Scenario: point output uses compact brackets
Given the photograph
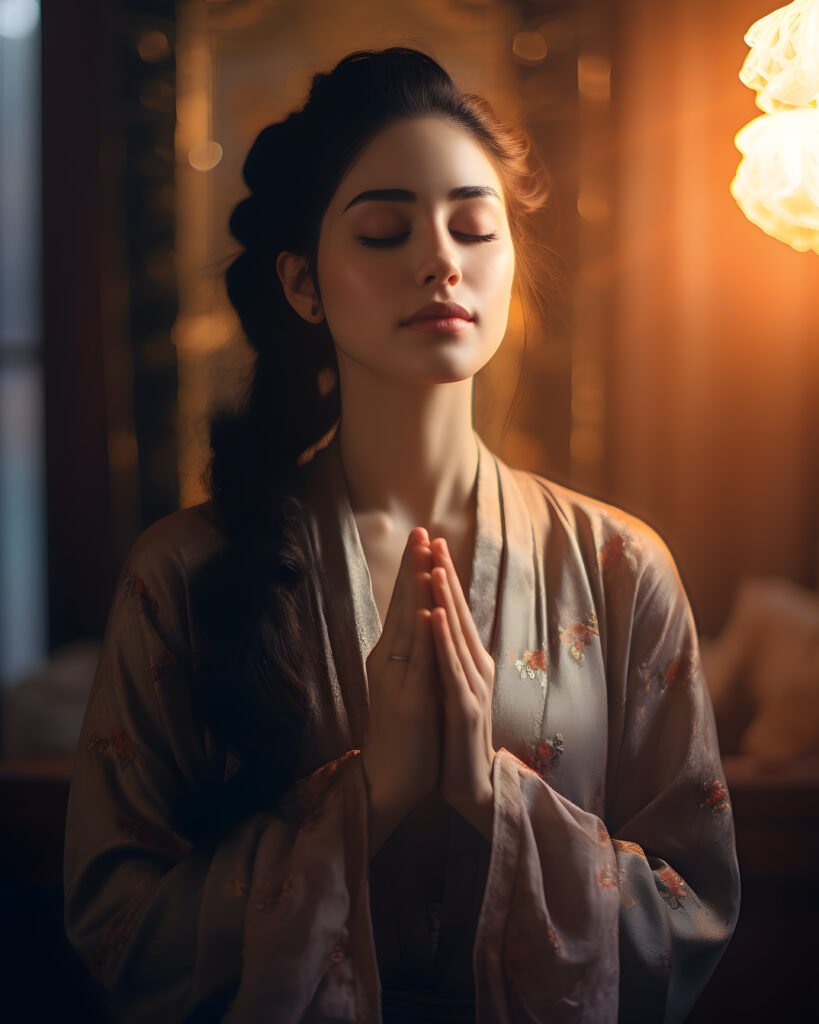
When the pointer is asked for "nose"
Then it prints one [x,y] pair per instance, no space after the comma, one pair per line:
[439,261]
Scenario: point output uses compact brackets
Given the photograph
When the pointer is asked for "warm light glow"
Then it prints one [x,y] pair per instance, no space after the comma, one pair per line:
[205,156]
[783,65]
[529,47]
[777,181]
[201,335]
[153,46]
[593,206]
[593,77]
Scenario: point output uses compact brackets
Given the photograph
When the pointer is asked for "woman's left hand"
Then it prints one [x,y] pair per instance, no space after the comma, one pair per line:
[467,673]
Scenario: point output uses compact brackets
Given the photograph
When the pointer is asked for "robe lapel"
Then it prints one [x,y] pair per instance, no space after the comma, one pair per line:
[507,596]
[350,612]
[520,646]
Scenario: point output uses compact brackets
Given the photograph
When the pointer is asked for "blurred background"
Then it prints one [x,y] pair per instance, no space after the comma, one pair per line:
[677,375]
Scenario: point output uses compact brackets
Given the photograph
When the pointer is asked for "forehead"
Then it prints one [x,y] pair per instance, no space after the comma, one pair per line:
[426,155]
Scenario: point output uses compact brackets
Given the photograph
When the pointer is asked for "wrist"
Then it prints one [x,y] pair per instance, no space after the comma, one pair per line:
[480,813]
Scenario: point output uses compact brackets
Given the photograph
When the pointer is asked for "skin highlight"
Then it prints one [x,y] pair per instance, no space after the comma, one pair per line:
[404,390]
[419,218]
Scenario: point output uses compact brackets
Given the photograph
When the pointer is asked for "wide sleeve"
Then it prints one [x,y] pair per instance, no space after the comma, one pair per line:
[623,919]
[272,913]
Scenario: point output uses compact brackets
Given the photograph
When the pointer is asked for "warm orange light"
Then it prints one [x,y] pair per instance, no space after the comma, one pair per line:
[777,181]
[205,156]
[529,47]
[153,46]
[783,64]
[594,77]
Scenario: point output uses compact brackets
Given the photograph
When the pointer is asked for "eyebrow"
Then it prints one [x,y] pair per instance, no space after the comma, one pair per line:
[402,195]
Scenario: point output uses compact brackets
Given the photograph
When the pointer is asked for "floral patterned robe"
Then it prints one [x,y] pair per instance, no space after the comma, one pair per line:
[608,891]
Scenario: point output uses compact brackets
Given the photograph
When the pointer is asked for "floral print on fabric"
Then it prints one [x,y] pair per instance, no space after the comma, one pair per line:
[135,586]
[532,665]
[116,935]
[714,796]
[119,745]
[612,552]
[624,846]
[268,893]
[579,636]
[671,887]
[678,670]
[546,755]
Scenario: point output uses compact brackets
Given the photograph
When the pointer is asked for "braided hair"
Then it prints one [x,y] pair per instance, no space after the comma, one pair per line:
[252,599]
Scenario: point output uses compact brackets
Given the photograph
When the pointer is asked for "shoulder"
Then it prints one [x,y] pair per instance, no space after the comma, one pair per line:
[616,546]
[164,558]
[178,542]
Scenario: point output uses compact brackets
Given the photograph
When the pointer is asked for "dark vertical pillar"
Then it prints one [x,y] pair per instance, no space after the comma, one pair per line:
[81,566]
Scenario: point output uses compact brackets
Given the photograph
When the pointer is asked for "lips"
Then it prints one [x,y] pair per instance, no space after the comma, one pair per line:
[439,311]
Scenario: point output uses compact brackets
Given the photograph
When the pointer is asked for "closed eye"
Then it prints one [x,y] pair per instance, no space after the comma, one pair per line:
[394,240]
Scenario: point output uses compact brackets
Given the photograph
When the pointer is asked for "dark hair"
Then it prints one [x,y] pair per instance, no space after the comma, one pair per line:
[252,601]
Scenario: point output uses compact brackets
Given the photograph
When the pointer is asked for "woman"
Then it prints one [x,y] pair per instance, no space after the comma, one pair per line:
[506,804]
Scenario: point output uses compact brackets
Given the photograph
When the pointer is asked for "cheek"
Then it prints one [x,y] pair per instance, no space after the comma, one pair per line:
[492,276]
[354,282]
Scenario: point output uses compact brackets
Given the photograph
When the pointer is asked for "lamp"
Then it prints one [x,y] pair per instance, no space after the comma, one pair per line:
[777,182]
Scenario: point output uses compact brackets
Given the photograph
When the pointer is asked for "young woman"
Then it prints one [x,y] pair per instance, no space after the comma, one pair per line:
[504,804]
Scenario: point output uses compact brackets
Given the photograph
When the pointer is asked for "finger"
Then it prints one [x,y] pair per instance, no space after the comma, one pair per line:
[444,598]
[424,596]
[457,691]
[442,557]
[421,663]
[398,623]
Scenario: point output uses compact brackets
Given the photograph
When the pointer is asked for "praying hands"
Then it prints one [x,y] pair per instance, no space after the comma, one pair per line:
[467,674]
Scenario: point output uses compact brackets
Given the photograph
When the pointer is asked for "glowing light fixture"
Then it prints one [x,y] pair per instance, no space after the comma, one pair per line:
[777,181]
[783,65]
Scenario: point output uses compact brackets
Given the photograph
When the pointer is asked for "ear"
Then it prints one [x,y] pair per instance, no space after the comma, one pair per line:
[298,286]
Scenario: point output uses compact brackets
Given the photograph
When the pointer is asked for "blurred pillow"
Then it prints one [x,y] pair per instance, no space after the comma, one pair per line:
[763,671]
[43,711]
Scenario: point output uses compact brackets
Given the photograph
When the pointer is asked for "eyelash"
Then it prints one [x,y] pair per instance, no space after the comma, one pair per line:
[387,243]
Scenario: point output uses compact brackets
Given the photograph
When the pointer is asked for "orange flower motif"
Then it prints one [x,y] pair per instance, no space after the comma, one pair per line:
[167,660]
[607,877]
[135,586]
[532,665]
[671,887]
[546,755]
[624,846]
[119,744]
[680,669]
[237,889]
[714,796]
[612,552]
[579,636]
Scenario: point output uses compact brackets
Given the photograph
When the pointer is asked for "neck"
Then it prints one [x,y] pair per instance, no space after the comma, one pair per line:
[409,452]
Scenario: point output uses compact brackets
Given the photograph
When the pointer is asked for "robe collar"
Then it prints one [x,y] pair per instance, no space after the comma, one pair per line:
[502,562]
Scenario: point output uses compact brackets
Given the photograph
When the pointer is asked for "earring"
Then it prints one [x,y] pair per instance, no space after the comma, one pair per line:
[314,309]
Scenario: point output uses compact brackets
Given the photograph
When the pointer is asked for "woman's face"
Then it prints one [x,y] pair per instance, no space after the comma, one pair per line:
[382,258]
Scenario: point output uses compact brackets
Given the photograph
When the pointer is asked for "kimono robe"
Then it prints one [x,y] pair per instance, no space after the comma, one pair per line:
[609,888]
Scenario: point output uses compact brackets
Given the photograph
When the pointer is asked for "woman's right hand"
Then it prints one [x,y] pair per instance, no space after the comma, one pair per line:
[402,753]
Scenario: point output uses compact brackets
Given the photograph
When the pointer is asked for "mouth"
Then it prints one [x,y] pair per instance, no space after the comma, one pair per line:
[439,317]
[440,325]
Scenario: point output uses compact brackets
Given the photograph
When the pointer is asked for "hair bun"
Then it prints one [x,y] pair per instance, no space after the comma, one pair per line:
[278,149]
[247,222]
